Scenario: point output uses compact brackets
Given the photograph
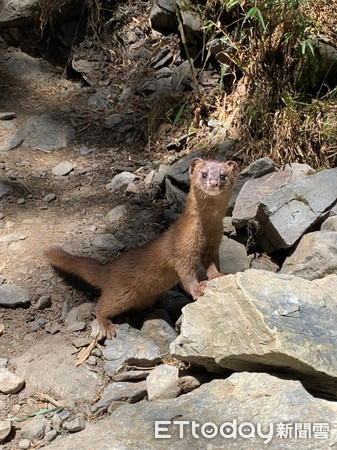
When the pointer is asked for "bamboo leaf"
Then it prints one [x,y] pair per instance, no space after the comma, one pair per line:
[37,413]
[177,117]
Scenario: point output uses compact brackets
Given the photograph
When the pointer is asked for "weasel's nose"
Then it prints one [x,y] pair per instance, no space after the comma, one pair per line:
[213,182]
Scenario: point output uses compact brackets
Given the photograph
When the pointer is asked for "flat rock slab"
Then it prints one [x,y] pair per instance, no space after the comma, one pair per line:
[49,366]
[11,136]
[5,189]
[47,133]
[129,347]
[262,320]
[22,65]
[120,391]
[257,169]
[12,296]
[256,189]
[255,398]
[314,257]
[286,214]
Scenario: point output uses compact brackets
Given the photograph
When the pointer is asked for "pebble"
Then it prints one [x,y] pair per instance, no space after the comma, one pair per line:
[57,423]
[35,428]
[121,179]
[24,444]
[63,168]
[9,382]
[86,150]
[21,201]
[49,197]
[5,429]
[117,213]
[76,326]
[80,342]
[108,242]
[77,424]
[7,115]
[50,436]
[43,302]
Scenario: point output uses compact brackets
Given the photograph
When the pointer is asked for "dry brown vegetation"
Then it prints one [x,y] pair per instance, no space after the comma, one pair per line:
[266,107]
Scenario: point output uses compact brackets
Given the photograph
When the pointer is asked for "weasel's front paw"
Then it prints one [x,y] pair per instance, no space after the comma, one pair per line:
[199,290]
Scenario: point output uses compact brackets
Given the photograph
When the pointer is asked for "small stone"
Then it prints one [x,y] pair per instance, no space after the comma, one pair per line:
[63,168]
[80,342]
[50,436]
[112,121]
[133,188]
[86,151]
[163,383]
[92,361]
[120,391]
[12,296]
[75,425]
[148,180]
[117,213]
[233,256]
[12,237]
[43,302]
[36,428]
[35,326]
[24,444]
[76,326]
[5,429]
[49,197]
[108,242]
[131,375]
[52,328]
[7,115]
[57,423]
[9,382]
[330,224]
[21,201]
[121,179]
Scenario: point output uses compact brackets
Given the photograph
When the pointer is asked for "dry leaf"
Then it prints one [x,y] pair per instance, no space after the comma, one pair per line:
[85,352]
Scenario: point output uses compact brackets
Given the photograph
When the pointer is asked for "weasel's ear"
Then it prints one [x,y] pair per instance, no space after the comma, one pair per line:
[233,166]
[193,164]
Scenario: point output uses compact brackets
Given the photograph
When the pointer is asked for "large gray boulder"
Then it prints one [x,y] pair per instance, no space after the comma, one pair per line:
[257,169]
[256,189]
[260,400]
[14,13]
[286,214]
[314,257]
[262,321]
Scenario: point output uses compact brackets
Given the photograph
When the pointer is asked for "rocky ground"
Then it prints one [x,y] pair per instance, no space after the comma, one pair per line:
[80,166]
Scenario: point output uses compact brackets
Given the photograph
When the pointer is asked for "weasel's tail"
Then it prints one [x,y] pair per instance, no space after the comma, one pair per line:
[88,269]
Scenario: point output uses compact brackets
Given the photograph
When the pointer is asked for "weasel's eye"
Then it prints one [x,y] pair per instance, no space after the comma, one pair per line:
[204,175]
[223,177]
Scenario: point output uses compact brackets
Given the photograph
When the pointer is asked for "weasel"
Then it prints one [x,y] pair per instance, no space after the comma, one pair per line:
[136,279]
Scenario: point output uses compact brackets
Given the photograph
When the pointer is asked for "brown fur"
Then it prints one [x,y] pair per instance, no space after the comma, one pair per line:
[136,279]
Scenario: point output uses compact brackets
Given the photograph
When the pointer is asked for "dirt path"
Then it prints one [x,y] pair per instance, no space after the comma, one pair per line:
[77,215]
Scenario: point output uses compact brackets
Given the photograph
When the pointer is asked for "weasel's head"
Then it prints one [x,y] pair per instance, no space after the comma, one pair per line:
[213,177]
